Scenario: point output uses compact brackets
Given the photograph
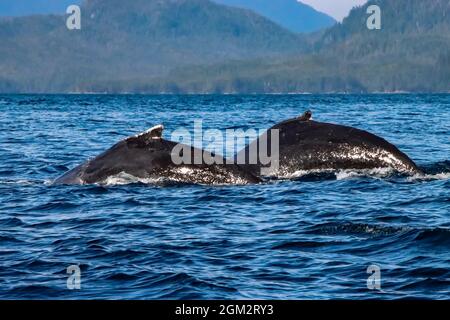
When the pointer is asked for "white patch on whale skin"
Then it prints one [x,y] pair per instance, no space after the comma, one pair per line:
[302,173]
[178,175]
[388,163]
[124,178]
[376,172]
[365,154]
[205,177]
[185,170]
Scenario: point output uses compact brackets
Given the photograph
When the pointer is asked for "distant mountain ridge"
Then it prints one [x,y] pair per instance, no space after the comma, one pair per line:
[196,46]
[144,38]
[291,14]
[411,53]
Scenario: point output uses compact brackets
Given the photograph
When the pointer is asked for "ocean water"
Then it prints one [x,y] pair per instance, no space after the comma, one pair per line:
[312,236]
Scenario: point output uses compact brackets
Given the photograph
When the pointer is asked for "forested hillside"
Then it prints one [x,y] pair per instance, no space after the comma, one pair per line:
[196,46]
[144,38]
[291,14]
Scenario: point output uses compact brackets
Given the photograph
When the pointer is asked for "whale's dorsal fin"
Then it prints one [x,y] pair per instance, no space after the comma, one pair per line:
[306,116]
[154,133]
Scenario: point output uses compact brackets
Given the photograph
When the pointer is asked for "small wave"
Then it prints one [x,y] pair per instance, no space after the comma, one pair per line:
[436,236]
[121,276]
[356,228]
[34,291]
[427,283]
[429,177]
[11,222]
[9,239]
[55,205]
[124,254]
[20,182]
[439,172]
[302,245]
[342,174]
[437,167]
[434,171]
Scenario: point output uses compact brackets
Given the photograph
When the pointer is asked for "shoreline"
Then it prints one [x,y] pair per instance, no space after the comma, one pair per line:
[224,94]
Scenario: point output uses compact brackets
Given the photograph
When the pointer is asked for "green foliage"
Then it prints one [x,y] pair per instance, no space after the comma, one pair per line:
[196,46]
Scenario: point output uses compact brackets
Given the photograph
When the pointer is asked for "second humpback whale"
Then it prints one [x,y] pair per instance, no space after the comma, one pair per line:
[305,144]
[149,156]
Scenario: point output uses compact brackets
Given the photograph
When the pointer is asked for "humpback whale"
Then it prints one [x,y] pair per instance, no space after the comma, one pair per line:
[149,156]
[305,144]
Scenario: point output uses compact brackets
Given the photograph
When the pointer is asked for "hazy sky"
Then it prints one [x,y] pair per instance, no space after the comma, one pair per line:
[338,9]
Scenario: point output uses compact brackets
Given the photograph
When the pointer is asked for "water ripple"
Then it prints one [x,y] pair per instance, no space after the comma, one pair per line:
[312,235]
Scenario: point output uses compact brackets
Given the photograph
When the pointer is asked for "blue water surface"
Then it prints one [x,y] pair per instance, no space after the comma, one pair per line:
[304,238]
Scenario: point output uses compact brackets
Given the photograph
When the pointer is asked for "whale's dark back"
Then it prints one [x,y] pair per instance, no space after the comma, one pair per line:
[306,145]
[153,159]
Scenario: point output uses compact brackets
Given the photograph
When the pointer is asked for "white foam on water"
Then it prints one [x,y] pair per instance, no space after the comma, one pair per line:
[375,173]
[23,182]
[48,182]
[341,174]
[429,177]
